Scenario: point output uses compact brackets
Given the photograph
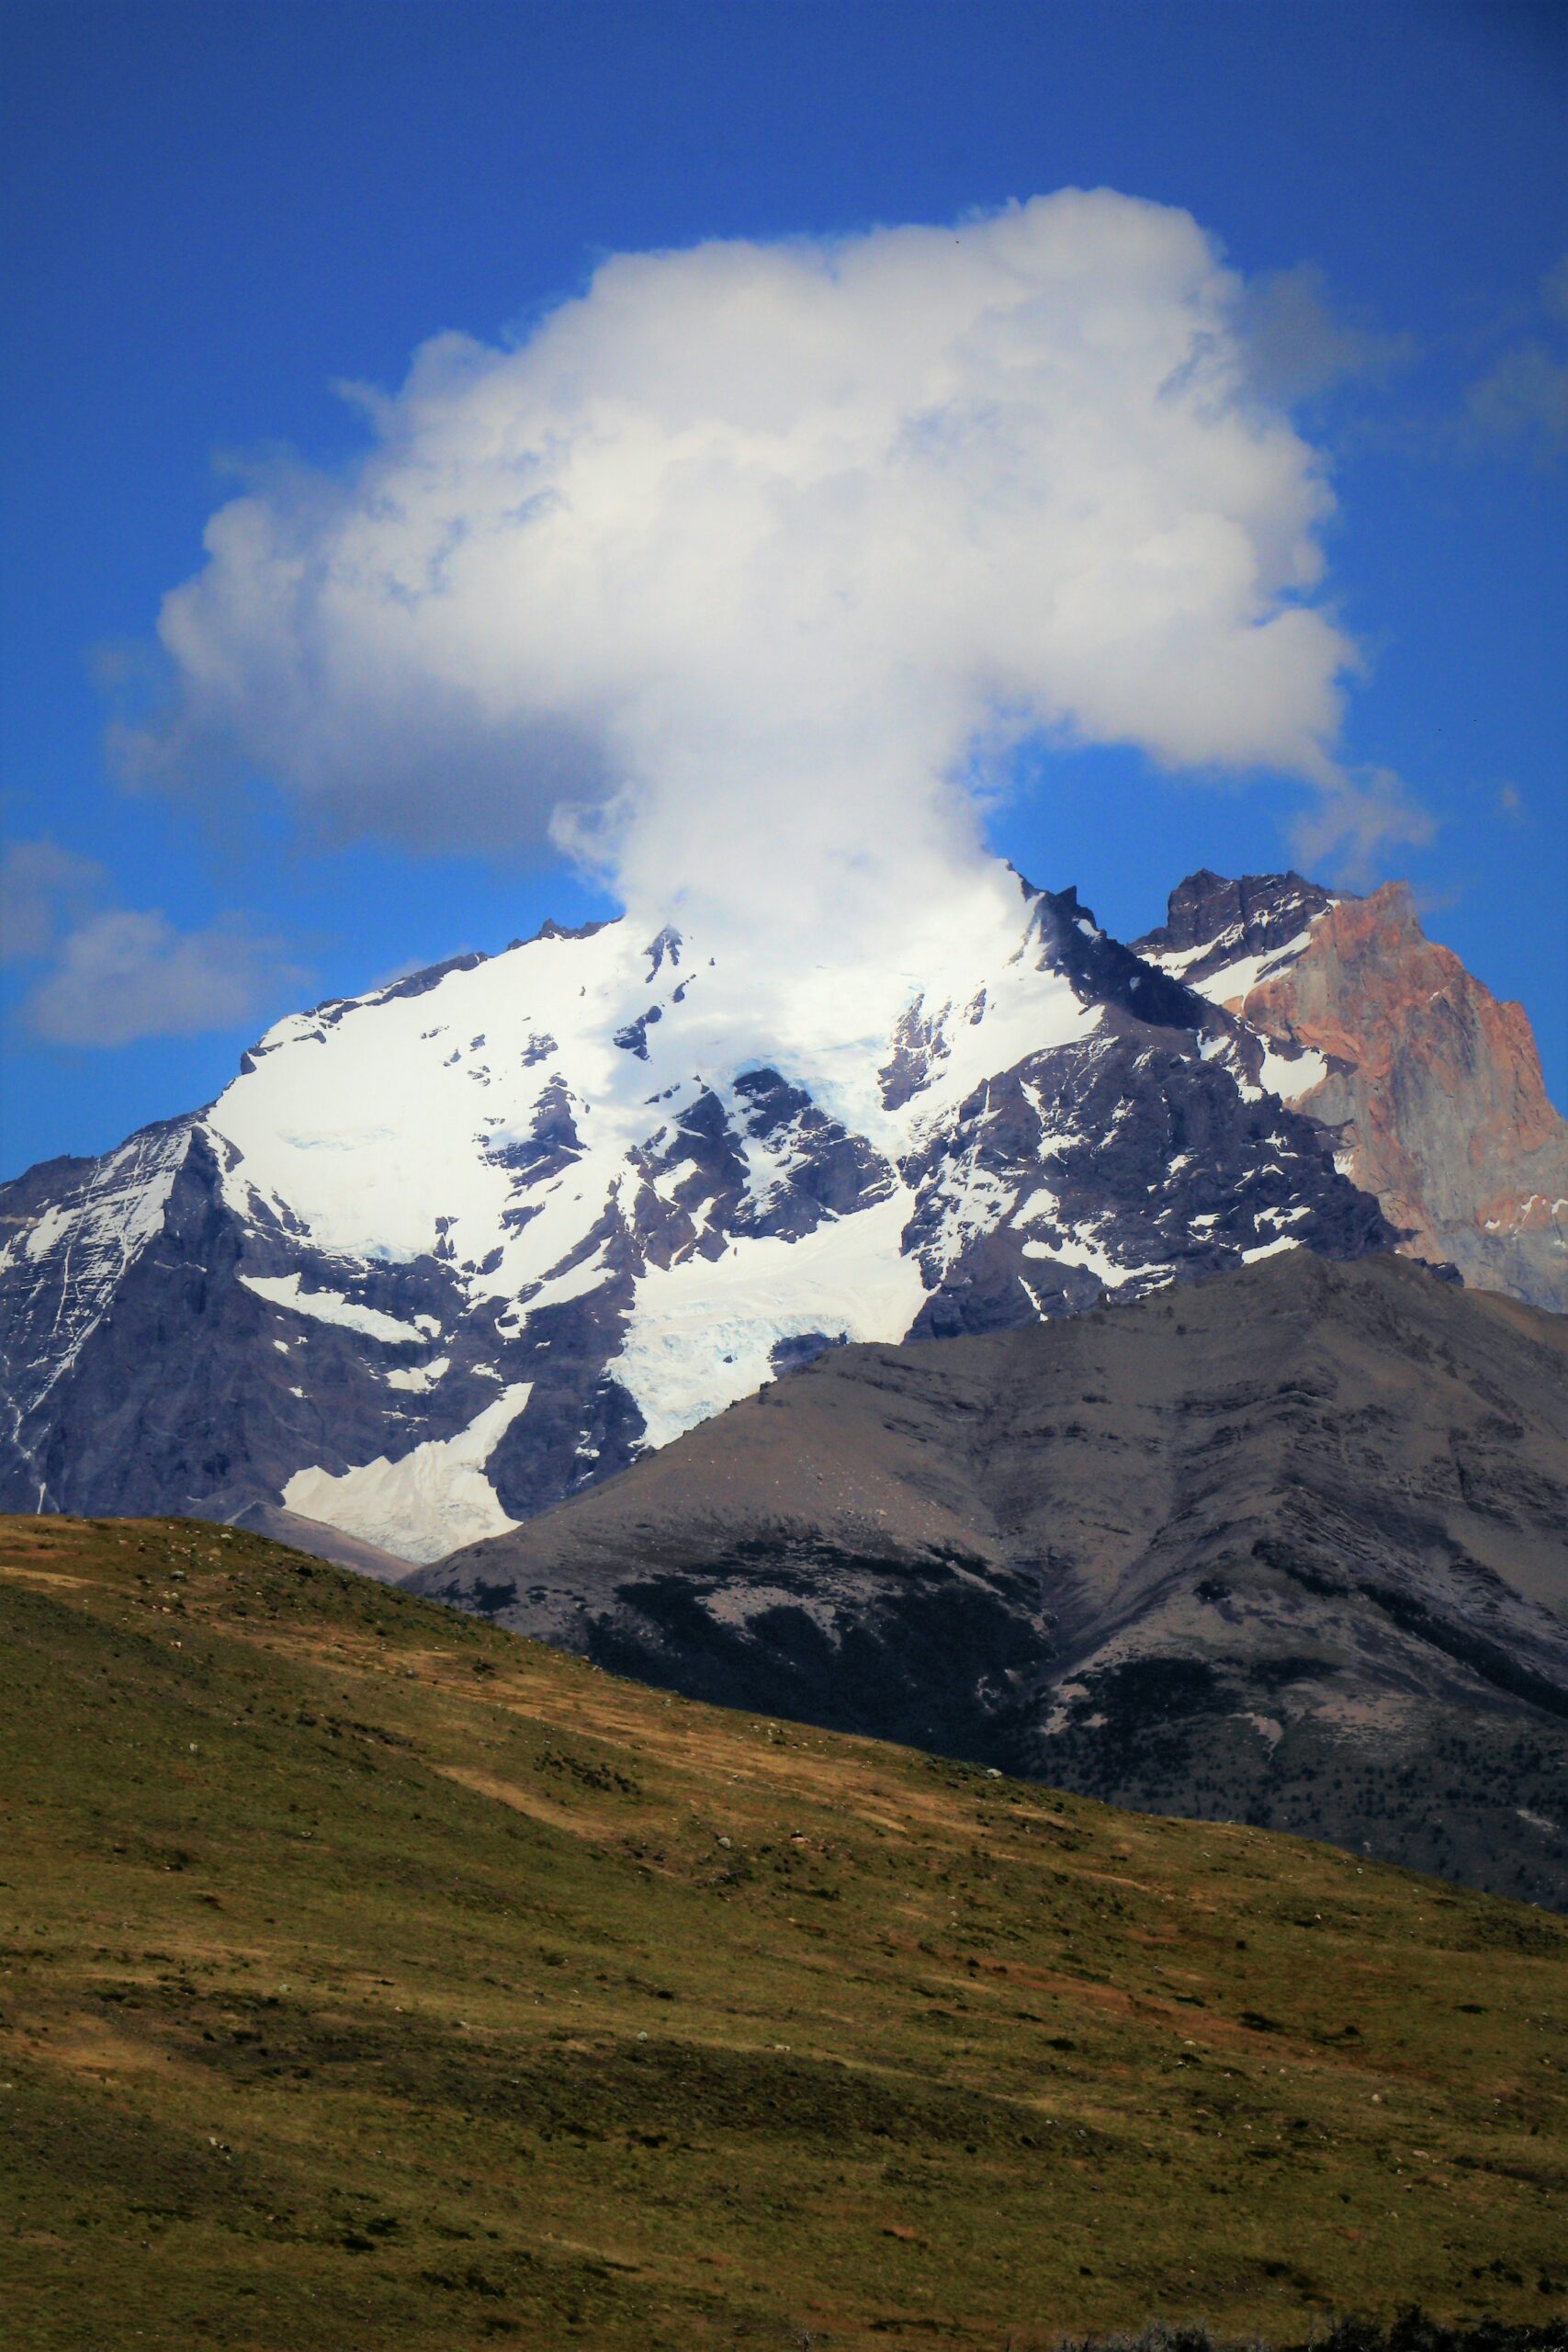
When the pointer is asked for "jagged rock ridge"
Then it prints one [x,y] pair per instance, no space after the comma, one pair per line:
[448,1252]
[1434,1087]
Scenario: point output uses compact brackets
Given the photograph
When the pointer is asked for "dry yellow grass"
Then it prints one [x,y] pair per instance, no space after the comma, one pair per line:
[373,1978]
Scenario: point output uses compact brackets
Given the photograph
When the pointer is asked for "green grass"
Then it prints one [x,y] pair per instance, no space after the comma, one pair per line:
[373,1978]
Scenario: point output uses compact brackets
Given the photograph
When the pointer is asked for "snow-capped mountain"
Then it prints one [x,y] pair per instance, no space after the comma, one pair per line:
[444,1253]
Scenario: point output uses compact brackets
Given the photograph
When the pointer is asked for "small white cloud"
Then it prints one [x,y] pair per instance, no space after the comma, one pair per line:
[1522,400]
[122,975]
[115,974]
[1356,822]
[40,885]
[1301,343]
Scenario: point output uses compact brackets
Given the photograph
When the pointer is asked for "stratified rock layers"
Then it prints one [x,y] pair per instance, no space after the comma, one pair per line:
[1288,1546]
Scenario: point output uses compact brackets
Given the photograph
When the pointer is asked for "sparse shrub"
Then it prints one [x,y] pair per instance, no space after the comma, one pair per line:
[1410,2331]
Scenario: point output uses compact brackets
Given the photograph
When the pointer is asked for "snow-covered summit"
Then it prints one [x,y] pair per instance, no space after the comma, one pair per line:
[444,1252]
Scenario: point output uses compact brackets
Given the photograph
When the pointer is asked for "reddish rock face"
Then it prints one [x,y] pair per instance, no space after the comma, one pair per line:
[1436,1090]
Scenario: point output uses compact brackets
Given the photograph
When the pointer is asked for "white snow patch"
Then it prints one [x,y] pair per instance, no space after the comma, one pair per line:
[1176,960]
[1229,983]
[52,1226]
[575,1283]
[976,1202]
[1289,1076]
[331,1307]
[420,1378]
[367,1127]
[1269,1248]
[425,1504]
[1232,984]
[1072,1250]
[668,1184]
[1068,1247]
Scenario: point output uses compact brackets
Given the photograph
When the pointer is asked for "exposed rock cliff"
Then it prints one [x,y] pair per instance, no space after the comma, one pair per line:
[1434,1087]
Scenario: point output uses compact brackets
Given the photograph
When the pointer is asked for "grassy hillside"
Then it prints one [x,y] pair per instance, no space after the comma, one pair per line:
[375,1978]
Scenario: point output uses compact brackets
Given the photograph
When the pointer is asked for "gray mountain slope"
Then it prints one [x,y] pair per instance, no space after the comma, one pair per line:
[325,1542]
[1289,1545]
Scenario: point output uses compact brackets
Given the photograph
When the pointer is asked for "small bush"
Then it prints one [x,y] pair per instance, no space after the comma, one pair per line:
[1412,2331]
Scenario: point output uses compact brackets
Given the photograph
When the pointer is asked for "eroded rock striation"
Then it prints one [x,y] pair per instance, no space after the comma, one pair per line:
[1289,1545]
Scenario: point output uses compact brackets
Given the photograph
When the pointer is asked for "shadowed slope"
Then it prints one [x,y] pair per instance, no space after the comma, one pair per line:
[375,1979]
[1289,1546]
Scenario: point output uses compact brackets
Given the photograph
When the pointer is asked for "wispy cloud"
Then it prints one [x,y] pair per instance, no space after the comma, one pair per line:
[1349,830]
[43,886]
[1302,341]
[1521,402]
[109,975]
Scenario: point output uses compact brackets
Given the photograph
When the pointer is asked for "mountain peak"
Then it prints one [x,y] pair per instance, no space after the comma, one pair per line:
[450,1251]
[550,929]
[1209,915]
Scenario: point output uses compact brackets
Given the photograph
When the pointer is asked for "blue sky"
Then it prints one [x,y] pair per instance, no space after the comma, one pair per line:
[216,213]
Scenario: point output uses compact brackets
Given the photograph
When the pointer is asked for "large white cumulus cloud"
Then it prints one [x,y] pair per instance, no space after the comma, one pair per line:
[728,573]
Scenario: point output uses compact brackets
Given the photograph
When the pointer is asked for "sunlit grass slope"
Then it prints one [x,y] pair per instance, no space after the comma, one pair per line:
[376,1978]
